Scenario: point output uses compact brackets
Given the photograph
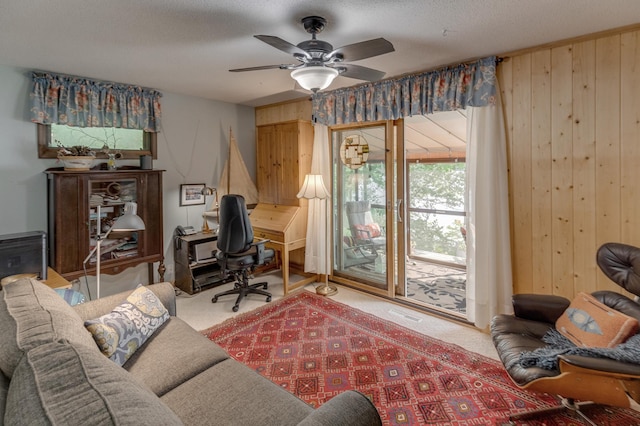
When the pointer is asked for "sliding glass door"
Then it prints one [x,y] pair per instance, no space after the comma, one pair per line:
[364,228]
[399,209]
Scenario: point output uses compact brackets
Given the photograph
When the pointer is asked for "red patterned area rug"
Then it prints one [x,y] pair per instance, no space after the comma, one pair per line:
[317,348]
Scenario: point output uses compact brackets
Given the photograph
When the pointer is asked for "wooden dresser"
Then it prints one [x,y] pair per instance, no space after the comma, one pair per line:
[285,227]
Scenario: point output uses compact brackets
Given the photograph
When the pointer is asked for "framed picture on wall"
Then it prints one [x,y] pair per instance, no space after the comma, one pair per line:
[191,194]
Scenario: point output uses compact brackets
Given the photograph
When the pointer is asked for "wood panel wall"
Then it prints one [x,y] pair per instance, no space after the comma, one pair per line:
[573,126]
[281,112]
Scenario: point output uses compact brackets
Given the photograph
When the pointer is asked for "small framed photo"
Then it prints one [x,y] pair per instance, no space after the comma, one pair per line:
[191,194]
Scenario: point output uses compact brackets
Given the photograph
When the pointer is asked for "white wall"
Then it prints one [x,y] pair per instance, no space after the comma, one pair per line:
[192,147]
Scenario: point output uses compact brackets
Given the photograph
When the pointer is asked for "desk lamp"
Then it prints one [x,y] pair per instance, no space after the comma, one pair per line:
[208,191]
[128,222]
[313,188]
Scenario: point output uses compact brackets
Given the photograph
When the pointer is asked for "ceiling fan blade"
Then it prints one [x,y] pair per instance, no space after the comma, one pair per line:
[360,73]
[263,67]
[283,45]
[363,50]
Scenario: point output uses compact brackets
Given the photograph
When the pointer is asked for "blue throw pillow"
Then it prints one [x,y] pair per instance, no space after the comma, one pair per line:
[72,297]
[125,329]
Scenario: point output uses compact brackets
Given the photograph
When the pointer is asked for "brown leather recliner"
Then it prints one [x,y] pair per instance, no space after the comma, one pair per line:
[596,380]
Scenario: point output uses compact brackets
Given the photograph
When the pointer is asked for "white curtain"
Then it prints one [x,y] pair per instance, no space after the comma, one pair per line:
[318,237]
[489,286]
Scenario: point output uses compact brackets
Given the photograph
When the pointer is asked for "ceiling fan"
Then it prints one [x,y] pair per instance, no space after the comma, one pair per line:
[319,63]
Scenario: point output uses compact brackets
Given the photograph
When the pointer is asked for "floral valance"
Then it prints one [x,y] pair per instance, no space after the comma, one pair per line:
[447,89]
[80,102]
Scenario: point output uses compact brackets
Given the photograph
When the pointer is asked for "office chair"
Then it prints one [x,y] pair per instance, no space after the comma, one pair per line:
[238,254]
[599,380]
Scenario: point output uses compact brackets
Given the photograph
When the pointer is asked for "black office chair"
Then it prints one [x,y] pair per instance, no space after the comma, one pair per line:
[238,254]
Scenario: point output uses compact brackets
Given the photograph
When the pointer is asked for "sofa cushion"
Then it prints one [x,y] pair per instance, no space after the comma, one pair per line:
[98,307]
[178,351]
[31,314]
[57,383]
[125,329]
[347,408]
[4,387]
[231,393]
[590,323]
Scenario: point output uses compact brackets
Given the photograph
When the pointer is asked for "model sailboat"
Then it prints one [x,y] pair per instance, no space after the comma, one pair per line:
[235,179]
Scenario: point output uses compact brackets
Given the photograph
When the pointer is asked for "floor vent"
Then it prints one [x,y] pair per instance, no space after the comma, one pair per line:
[403,315]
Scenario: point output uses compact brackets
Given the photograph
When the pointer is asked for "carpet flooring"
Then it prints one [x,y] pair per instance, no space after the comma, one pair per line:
[316,348]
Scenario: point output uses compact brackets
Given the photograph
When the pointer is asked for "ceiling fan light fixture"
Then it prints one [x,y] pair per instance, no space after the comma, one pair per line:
[314,78]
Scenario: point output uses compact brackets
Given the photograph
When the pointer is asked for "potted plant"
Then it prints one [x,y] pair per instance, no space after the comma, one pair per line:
[112,156]
[78,157]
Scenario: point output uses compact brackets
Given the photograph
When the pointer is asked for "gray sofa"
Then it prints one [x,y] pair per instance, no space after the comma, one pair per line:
[54,373]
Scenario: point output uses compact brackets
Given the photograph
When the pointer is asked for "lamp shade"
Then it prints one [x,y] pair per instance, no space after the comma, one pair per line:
[314,78]
[207,190]
[128,222]
[313,187]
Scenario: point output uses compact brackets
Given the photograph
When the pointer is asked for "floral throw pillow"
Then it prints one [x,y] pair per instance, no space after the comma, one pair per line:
[125,329]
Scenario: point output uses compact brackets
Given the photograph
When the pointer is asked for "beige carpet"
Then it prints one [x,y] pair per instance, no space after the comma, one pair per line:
[200,313]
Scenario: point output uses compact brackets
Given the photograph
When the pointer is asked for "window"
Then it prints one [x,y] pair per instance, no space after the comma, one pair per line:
[436,209]
[131,143]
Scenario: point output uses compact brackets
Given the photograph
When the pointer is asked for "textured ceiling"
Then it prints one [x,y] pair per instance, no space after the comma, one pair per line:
[188,46]
[441,135]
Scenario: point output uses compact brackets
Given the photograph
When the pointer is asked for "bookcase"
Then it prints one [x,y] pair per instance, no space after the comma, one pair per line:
[73,221]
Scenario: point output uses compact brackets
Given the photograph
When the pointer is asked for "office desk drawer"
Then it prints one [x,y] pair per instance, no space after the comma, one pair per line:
[276,237]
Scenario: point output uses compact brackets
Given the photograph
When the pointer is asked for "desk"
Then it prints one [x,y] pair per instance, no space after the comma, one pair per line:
[55,280]
[195,264]
[285,228]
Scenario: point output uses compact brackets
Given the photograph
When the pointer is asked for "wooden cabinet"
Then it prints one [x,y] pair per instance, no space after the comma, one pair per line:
[195,263]
[283,155]
[73,221]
